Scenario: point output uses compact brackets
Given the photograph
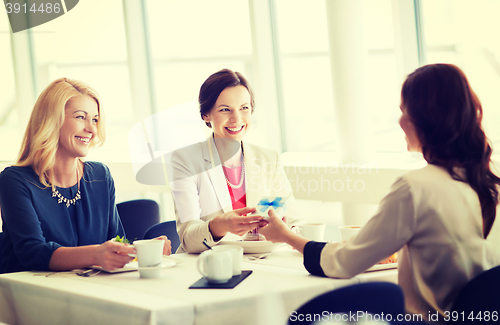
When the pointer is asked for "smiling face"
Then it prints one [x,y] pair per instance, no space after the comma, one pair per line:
[413,144]
[231,115]
[79,128]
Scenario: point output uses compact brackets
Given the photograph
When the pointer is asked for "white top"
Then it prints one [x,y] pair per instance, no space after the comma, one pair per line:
[435,222]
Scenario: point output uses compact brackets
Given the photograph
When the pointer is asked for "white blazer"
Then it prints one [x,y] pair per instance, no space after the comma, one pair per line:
[200,192]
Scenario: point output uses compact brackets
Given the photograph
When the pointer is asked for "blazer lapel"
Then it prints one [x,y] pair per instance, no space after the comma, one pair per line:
[216,174]
[252,176]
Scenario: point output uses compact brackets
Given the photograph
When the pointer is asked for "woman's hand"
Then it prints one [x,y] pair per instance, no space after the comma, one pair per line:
[113,255]
[276,229]
[235,222]
[167,246]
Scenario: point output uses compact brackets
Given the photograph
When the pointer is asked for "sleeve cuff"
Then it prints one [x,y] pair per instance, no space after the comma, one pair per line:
[312,257]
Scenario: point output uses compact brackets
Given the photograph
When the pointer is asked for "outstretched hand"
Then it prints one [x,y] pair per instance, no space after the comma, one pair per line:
[277,231]
[276,228]
[235,222]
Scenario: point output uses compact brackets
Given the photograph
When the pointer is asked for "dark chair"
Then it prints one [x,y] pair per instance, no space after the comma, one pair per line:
[372,297]
[1,248]
[137,216]
[480,294]
[166,228]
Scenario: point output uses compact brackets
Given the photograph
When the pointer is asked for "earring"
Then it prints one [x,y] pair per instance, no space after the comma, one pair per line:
[207,123]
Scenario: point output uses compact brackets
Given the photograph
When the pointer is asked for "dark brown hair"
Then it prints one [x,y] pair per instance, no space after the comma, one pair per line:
[447,115]
[215,84]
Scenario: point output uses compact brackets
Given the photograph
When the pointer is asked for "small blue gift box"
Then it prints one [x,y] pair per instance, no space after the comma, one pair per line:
[279,204]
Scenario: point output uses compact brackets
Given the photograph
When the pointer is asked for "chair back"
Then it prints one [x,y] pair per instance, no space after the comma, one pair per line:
[480,294]
[372,297]
[166,228]
[137,216]
[1,249]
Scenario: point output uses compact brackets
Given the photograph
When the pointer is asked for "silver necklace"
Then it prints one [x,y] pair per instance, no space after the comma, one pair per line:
[61,198]
[242,178]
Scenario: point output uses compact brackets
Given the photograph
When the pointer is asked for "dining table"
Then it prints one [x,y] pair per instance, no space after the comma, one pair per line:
[278,285]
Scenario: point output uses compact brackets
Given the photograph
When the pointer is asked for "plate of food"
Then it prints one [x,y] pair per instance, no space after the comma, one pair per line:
[134,266]
[389,263]
[380,267]
[253,247]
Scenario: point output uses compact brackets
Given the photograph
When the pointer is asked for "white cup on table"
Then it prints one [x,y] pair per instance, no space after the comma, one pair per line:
[236,253]
[216,266]
[312,231]
[149,257]
[348,231]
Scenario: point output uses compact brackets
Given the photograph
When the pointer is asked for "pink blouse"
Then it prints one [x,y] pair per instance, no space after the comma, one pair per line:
[238,196]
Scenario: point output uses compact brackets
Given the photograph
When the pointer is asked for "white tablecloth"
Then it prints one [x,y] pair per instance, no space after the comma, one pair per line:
[278,285]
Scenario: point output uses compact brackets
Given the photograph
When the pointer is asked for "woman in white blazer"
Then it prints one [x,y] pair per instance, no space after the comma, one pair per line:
[440,218]
[216,183]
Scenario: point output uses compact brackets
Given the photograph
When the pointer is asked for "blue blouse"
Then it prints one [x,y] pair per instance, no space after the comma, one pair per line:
[35,225]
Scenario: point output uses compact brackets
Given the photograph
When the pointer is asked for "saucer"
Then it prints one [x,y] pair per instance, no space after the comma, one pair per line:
[134,266]
[253,247]
[164,264]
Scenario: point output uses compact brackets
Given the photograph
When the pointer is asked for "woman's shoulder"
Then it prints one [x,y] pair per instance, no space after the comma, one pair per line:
[195,149]
[96,170]
[191,155]
[428,182]
[427,175]
[261,152]
[19,176]
[18,172]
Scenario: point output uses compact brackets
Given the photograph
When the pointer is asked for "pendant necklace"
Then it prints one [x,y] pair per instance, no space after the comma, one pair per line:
[61,198]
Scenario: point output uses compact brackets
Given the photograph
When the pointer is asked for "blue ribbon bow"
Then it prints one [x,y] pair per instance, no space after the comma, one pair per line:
[276,203]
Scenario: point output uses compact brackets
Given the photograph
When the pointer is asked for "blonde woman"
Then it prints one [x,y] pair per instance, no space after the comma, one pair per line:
[58,211]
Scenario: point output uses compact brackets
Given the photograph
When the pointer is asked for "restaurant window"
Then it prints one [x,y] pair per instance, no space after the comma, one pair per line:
[465,35]
[90,45]
[192,39]
[306,75]
[383,78]
[9,118]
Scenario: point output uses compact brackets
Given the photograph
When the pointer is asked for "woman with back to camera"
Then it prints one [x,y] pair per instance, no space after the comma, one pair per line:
[58,211]
[215,183]
[437,217]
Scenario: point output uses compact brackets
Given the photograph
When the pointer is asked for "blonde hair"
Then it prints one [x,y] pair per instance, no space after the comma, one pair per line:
[41,139]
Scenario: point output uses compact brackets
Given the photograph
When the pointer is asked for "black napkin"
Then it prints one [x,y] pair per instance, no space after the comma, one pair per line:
[233,282]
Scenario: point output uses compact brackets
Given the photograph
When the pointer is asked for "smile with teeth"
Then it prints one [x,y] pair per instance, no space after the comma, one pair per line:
[235,129]
[82,139]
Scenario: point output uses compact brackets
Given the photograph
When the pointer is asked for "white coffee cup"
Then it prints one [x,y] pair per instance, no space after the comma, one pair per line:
[312,231]
[216,266]
[149,256]
[236,253]
[348,231]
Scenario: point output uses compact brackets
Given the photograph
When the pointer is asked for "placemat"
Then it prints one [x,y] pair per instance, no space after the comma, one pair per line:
[233,282]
